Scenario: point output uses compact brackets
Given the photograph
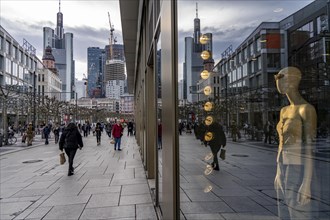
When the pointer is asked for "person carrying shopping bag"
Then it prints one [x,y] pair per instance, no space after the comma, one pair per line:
[70,141]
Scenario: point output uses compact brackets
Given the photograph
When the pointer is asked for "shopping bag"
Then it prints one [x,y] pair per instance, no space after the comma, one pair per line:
[223,154]
[112,141]
[62,158]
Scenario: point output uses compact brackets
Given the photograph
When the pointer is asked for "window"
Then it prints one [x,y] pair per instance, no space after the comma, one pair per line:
[245,70]
[15,68]
[8,66]
[7,47]
[322,24]
[258,44]
[15,52]
[1,43]
[251,49]
[273,60]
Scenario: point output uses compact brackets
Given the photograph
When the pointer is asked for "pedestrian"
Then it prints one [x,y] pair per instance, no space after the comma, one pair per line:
[70,141]
[85,130]
[46,132]
[268,129]
[29,134]
[108,129]
[130,127]
[56,132]
[217,142]
[117,133]
[98,132]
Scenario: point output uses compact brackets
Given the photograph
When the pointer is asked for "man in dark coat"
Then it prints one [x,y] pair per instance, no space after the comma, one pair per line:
[46,131]
[217,142]
[70,141]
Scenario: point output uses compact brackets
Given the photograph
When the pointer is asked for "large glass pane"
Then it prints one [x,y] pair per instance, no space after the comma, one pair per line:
[254,145]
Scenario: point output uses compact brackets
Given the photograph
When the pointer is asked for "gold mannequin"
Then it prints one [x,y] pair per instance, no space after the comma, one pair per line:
[296,129]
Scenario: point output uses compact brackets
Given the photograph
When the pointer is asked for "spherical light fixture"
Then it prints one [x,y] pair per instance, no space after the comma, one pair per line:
[207,90]
[204,39]
[208,120]
[205,74]
[208,106]
[208,136]
[205,55]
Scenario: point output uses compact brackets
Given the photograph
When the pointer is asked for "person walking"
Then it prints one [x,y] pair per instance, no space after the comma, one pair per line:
[85,130]
[56,132]
[216,143]
[117,133]
[46,132]
[130,127]
[98,131]
[70,141]
[268,129]
[29,134]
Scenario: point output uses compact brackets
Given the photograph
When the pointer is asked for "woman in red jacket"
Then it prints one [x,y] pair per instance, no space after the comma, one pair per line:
[117,132]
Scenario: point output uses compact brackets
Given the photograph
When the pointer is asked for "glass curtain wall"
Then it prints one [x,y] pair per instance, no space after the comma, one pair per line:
[255,143]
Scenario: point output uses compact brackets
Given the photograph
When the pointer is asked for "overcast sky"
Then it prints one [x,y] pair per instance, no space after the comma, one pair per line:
[229,21]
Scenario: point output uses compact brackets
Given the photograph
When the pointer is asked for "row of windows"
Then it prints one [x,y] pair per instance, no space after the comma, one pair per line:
[17,54]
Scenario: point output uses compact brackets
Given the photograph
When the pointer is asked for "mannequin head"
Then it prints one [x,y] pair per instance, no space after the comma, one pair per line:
[288,79]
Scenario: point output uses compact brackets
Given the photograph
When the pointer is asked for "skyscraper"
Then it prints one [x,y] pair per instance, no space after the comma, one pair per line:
[193,63]
[62,45]
[95,68]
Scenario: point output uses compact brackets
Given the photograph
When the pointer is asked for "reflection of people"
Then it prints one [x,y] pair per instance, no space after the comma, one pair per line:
[159,133]
[296,129]
[218,141]
[70,141]
[268,130]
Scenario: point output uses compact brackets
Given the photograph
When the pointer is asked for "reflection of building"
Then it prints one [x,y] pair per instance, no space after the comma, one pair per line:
[245,79]
[126,104]
[62,45]
[193,64]
[247,87]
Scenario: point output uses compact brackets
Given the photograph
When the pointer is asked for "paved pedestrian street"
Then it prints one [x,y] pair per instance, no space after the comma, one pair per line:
[112,184]
[107,184]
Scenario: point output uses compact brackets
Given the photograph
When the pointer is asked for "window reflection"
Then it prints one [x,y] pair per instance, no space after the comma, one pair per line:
[269,136]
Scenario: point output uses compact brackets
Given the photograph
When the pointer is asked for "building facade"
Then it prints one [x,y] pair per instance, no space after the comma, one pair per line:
[18,72]
[95,68]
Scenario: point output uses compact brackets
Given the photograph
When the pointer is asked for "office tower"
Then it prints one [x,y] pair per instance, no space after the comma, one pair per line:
[193,63]
[95,69]
[62,45]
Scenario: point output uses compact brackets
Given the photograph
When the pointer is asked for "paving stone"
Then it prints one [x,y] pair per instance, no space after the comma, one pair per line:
[13,208]
[103,200]
[116,212]
[38,213]
[214,216]
[145,211]
[243,204]
[135,189]
[204,207]
[66,200]
[135,199]
[100,190]
[65,212]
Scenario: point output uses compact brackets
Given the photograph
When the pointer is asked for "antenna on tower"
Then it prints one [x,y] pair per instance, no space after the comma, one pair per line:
[196,10]
[59,5]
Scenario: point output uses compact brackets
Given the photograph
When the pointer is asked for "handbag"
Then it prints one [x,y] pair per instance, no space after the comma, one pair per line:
[62,158]
[112,141]
[223,154]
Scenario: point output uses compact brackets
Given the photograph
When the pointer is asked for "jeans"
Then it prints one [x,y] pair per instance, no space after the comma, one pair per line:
[117,142]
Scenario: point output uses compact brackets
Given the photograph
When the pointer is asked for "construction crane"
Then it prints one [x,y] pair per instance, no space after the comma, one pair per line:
[112,40]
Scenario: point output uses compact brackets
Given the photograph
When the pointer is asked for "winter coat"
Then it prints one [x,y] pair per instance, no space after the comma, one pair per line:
[219,137]
[117,131]
[71,137]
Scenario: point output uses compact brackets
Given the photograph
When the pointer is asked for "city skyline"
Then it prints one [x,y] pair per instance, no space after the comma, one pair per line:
[224,19]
